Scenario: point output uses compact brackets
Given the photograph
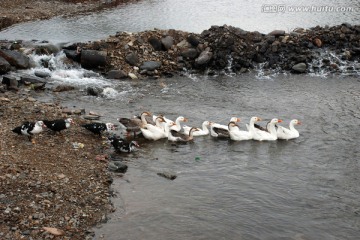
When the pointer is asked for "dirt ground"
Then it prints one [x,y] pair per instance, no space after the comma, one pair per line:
[16,11]
[49,183]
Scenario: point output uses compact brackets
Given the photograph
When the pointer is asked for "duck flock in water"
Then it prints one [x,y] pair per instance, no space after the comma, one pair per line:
[153,127]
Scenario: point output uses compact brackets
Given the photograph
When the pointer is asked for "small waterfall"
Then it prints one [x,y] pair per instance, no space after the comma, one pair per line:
[228,71]
[64,71]
[331,63]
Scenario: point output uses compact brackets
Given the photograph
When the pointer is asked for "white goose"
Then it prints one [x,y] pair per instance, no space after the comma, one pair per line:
[238,135]
[155,132]
[177,126]
[202,132]
[219,130]
[291,133]
[263,135]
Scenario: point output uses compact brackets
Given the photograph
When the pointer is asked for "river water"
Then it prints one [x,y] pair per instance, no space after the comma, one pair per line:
[303,189]
[192,16]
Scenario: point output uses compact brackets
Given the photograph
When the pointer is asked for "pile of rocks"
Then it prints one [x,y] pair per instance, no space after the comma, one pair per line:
[167,52]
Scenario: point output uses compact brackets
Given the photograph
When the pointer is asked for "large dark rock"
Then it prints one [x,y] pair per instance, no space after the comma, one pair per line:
[4,66]
[156,44]
[10,82]
[132,59]
[15,58]
[92,59]
[94,91]
[167,42]
[193,40]
[191,53]
[150,65]
[116,74]
[73,55]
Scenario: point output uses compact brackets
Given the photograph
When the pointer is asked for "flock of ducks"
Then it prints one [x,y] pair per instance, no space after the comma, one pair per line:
[154,127]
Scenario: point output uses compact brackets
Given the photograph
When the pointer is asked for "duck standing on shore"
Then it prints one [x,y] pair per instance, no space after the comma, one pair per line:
[59,124]
[29,129]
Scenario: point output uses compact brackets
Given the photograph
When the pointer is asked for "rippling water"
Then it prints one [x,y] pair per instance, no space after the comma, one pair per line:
[188,15]
[307,188]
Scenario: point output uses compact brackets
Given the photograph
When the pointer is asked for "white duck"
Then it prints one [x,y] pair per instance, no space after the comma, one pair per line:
[238,135]
[291,133]
[202,132]
[219,130]
[155,132]
[261,135]
[175,136]
[177,126]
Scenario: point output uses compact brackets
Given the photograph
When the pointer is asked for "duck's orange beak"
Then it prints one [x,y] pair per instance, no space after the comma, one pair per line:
[238,120]
[279,120]
[299,123]
[186,119]
[258,119]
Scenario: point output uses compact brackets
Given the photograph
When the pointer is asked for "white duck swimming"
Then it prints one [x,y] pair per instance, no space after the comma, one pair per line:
[175,136]
[261,135]
[177,126]
[291,133]
[202,132]
[238,135]
[155,132]
[219,130]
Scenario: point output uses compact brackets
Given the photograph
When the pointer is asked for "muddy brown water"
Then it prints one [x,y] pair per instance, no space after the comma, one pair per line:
[307,188]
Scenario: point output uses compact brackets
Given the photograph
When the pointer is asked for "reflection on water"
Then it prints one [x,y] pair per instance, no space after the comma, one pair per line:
[188,15]
[306,188]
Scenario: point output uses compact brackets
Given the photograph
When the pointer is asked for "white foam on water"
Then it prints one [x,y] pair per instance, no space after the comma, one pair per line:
[64,71]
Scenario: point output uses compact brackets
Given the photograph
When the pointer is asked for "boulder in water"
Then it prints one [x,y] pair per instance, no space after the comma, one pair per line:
[15,58]
[116,74]
[4,66]
[28,79]
[92,59]
[191,53]
[42,74]
[204,58]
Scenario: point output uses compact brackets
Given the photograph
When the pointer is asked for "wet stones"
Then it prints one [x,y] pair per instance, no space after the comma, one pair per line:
[299,68]
[92,59]
[116,74]
[15,58]
[4,66]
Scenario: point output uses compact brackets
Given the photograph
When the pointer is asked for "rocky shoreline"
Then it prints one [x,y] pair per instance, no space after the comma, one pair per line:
[163,53]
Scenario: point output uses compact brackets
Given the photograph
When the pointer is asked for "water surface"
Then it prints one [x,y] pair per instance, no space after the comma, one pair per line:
[189,15]
[307,188]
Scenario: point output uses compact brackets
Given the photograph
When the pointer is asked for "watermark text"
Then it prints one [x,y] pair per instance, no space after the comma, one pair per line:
[282,8]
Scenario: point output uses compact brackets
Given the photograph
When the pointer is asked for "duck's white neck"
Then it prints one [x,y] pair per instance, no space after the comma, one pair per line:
[143,118]
[292,127]
[204,127]
[272,129]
